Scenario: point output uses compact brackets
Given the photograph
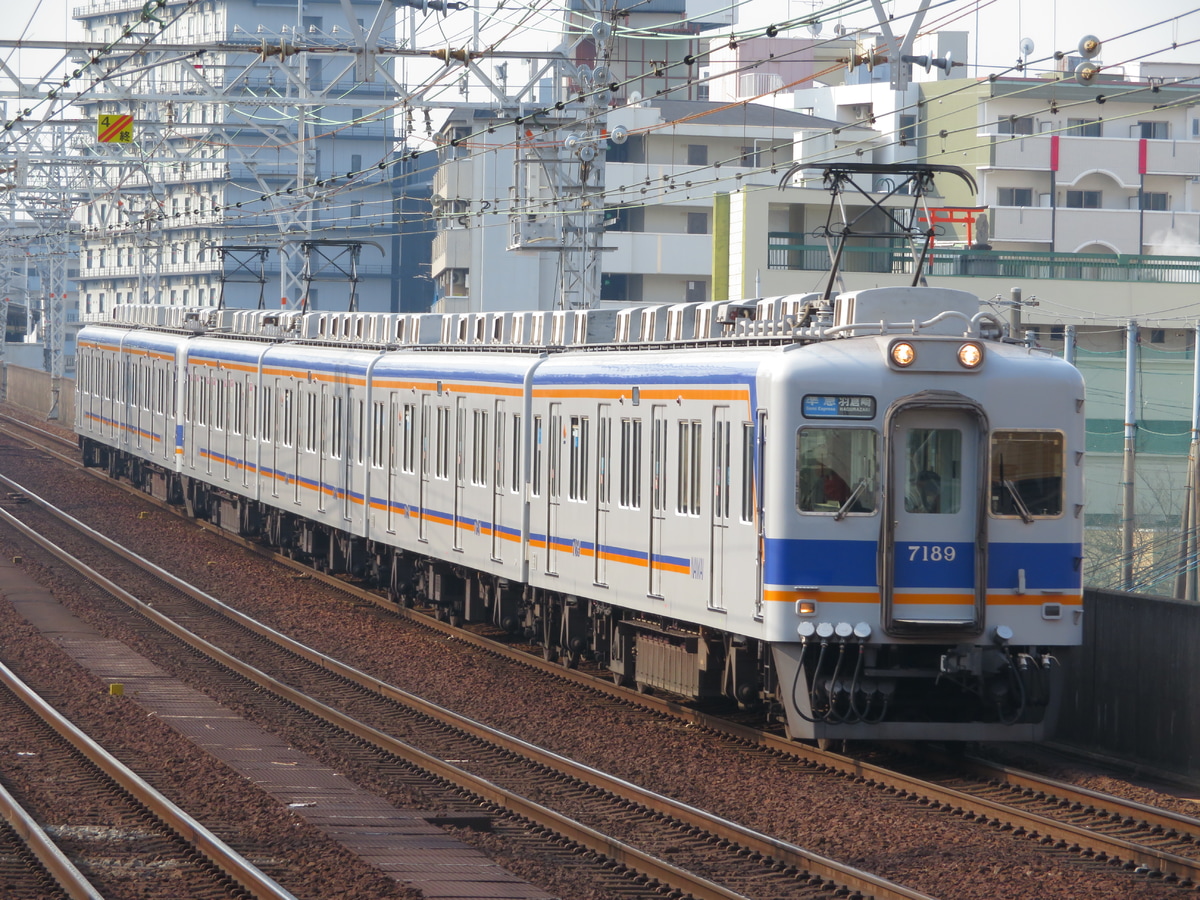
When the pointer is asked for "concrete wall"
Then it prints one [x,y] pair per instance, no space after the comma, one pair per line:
[30,388]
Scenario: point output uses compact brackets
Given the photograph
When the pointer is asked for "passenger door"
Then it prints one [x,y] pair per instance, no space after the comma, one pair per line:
[935,574]
[720,507]
[658,495]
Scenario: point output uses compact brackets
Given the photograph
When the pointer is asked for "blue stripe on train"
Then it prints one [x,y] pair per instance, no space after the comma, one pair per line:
[1051,566]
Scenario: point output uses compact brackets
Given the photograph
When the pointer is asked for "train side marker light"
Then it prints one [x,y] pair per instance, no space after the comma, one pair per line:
[970,356]
[904,354]
[806,607]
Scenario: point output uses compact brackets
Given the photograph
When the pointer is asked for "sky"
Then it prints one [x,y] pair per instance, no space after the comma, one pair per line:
[997,27]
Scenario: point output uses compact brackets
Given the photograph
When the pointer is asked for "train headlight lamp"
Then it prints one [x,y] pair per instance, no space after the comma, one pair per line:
[904,354]
[970,355]
[806,607]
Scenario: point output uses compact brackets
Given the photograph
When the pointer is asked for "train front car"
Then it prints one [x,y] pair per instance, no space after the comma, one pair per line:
[928,565]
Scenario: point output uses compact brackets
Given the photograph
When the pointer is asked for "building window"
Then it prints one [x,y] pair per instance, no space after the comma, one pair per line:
[1083,128]
[1014,197]
[1016,125]
[697,154]
[1083,199]
[1159,202]
[697,223]
[697,292]
[908,130]
[355,162]
[621,286]
[624,218]
[1152,131]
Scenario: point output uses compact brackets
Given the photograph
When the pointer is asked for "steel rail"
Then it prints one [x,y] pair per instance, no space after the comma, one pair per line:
[844,876]
[190,830]
[73,882]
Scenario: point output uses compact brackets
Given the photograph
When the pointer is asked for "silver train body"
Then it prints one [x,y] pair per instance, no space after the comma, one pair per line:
[867,517]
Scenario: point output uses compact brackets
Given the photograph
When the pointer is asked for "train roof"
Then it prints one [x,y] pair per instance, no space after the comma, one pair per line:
[788,319]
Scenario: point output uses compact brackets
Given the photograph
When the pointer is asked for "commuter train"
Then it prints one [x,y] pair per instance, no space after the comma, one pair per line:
[862,513]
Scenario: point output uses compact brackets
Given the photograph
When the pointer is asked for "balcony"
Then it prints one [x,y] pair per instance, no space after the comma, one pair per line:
[1080,155]
[654,253]
[451,249]
[787,250]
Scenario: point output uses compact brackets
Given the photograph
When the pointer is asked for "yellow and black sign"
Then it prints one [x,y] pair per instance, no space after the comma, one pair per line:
[114,129]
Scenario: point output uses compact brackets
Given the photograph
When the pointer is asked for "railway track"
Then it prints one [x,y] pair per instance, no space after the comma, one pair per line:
[106,815]
[1097,827]
[633,829]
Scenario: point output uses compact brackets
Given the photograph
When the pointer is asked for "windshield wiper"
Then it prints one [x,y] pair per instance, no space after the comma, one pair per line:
[858,489]
[1021,507]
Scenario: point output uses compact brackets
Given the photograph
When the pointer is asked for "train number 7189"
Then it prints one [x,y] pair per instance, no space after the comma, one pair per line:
[930,553]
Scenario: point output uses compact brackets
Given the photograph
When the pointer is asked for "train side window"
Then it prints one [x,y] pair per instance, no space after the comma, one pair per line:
[408,458]
[687,500]
[554,449]
[836,468]
[747,471]
[1027,469]
[312,421]
[358,414]
[578,464]
[379,433]
[265,419]
[441,453]
[933,482]
[631,463]
[288,416]
[536,476]
[517,438]
[218,416]
[479,447]
[336,428]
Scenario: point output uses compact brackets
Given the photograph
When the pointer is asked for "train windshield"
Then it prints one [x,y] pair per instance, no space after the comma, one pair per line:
[1027,474]
[836,470]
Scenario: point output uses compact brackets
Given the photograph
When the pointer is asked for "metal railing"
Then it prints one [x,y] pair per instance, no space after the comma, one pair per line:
[790,250]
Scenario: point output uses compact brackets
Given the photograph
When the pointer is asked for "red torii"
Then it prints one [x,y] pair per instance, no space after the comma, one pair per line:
[953,215]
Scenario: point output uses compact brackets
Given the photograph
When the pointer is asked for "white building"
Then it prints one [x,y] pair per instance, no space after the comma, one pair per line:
[657,246]
[254,168]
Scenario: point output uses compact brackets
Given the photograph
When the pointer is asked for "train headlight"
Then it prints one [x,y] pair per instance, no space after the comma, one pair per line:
[904,354]
[806,607]
[970,355]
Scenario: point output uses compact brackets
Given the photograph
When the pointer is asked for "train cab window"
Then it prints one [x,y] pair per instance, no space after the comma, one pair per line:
[933,481]
[1027,474]
[836,470]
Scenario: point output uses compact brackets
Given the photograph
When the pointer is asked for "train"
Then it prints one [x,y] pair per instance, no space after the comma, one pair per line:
[860,514]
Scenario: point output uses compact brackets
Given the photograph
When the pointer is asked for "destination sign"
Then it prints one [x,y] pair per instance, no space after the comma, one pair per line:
[826,406]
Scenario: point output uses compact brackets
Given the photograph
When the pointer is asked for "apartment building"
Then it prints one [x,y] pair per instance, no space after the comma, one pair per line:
[253,177]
